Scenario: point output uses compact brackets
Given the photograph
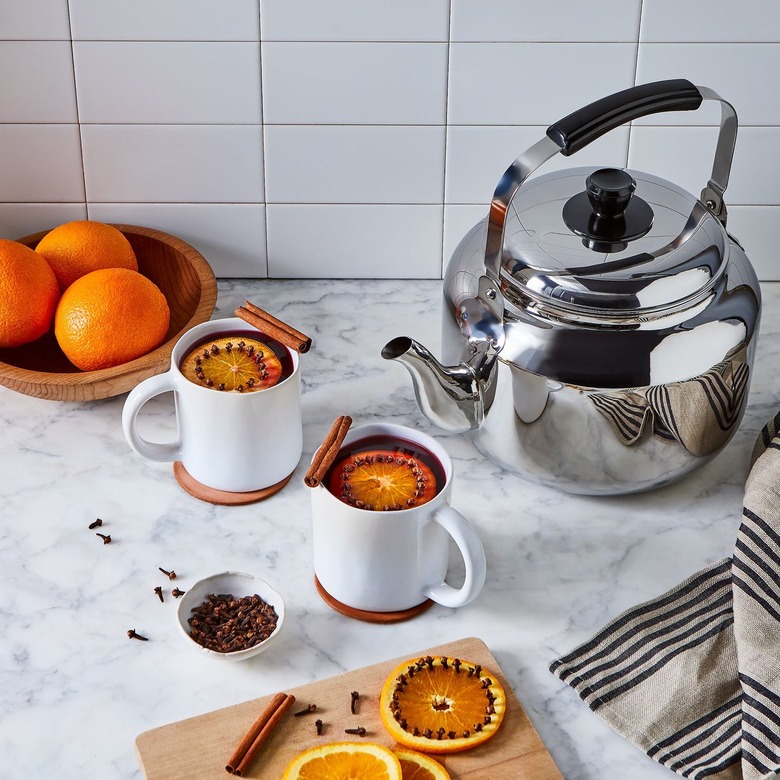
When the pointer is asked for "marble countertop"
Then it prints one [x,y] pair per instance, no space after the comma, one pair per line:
[75,692]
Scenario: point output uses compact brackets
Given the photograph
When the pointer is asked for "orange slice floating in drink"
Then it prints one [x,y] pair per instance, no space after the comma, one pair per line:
[382,480]
[233,363]
[441,705]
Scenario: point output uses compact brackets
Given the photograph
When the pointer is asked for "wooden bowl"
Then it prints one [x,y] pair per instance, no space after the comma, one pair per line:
[40,369]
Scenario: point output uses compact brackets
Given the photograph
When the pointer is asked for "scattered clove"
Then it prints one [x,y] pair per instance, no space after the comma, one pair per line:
[96,524]
[133,634]
[353,704]
[176,593]
[360,731]
[306,710]
[171,575]
[318,727]
[105,537]
[158,591]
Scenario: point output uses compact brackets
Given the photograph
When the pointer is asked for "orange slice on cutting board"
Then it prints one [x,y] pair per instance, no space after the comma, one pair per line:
[382,480]
[341,760]
[416,766]
[441,705]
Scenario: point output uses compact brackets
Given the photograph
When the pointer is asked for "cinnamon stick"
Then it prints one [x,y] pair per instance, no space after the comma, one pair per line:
[281,331]
[326,454]
[258,733]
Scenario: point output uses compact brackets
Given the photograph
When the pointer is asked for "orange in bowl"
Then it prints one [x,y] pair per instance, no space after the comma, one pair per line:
[28,294]
[77,248]
[109,317]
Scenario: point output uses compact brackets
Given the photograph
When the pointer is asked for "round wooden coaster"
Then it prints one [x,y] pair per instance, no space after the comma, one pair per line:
[370,617]
[222,497]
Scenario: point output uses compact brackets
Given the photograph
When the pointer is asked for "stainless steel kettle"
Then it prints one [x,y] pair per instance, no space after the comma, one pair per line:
[599,325]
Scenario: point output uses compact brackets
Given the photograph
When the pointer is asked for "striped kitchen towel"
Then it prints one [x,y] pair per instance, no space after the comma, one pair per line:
[693,677]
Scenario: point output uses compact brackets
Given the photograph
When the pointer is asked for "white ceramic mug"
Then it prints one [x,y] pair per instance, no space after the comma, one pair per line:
[237,442]
[388,561]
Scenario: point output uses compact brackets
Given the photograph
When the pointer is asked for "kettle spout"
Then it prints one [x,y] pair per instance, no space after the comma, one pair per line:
[452,397]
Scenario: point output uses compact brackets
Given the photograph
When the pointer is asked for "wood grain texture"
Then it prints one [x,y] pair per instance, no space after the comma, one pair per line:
[40,369]
[200,746]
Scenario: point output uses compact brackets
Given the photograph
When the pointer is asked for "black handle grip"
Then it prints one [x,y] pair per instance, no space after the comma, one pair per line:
[587,124]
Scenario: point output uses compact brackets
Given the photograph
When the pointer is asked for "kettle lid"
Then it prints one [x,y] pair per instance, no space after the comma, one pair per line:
[609,241]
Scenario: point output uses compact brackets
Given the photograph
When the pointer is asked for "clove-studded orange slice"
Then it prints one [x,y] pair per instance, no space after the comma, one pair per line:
[342,760]
[417,766]
[233,363]
[382,480]
[441,705]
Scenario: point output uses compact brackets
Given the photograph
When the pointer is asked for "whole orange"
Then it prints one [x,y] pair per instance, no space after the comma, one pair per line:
[28,294]
[77,248]
[109,317]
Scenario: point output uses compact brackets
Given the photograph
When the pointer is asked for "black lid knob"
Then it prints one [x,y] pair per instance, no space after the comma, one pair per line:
[609,192]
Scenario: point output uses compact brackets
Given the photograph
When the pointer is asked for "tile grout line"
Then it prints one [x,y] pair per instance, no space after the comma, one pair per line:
[636,74]
[78,112]
[262,136]
[443,259]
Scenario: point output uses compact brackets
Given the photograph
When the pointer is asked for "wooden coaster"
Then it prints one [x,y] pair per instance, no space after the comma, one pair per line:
[370,617]
[222,497]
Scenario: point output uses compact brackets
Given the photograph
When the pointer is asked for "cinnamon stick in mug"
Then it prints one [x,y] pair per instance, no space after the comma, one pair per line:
[326,454]
[267,323]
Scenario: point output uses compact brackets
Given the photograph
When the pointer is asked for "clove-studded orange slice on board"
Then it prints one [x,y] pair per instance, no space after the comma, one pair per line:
[341,760]
[441,705]
[382,480]
[417,766]
[233,363]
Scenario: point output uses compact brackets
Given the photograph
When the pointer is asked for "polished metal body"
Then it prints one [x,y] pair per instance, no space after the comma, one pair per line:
[591,368]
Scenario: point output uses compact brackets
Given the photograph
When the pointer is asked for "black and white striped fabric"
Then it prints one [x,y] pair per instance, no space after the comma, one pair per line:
[699,413]
[693,677]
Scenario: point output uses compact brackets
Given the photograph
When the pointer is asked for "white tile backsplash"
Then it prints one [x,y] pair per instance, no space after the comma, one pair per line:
[359,138]
[231,236]
[37,82]
[709,21]
[40,163]
[745,74]
[530,20]
[755,227]
[478,156]
[347,241]
[18,220]
[171,20]
[355,20]
[533,83]
[165,83]
[684,155]
[173,163]
[367,164]
[354,83]
[34,20]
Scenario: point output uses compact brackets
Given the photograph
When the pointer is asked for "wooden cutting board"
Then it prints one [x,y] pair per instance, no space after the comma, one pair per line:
[199,747]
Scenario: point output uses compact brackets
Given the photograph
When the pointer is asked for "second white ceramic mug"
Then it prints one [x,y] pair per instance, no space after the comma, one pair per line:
[389,561]
[237,442]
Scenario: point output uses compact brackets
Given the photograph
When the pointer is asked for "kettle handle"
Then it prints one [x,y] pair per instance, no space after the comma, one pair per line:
[586,124]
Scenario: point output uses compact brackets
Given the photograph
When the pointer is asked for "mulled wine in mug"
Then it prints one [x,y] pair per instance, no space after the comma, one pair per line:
[237,398]
[382,524]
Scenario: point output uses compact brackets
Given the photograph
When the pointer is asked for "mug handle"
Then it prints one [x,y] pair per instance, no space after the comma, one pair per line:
[470,546]
[148,389]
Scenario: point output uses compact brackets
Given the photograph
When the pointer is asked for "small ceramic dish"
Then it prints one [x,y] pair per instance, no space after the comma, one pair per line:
[237,584]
